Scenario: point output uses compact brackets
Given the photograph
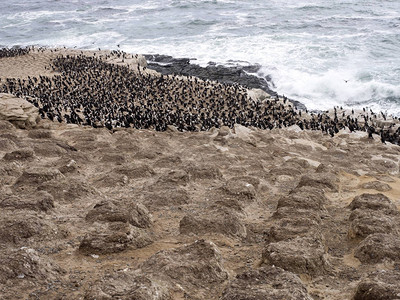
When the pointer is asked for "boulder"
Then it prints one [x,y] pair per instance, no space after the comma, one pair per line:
[270,283]
[18,111]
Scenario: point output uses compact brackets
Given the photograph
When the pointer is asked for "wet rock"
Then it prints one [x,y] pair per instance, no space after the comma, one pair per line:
[220,220]
[373,201]
[376,185]
[323,181]
[120,211]
[115,238]
[18,111]
[234,74]
[38,175]
[366,222]
[26,264]
[129,285]
[20,155]
[302,255]
[271,283]
[378,247]
[379,285]
[196,267]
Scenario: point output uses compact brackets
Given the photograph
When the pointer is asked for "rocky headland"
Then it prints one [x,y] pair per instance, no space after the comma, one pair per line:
[228,213]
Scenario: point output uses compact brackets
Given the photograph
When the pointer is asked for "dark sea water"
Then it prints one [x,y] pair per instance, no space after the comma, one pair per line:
[309,48]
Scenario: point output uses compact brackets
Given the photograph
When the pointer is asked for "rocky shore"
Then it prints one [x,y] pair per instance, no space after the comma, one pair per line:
[229,213]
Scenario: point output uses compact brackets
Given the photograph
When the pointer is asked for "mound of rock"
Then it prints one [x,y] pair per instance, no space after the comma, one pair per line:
[309,198]
[376,185]
[129,285]
[21,227]
[26,264]
[114,238]
[165,195]
[302,255]
[322,181]
[18,111]
[33,177]
[378,247]
[40,201]
[379,285]
[219,220]
[197,268]
[271,283]
[366,221]
[123,210]
[20,155]
[373,201]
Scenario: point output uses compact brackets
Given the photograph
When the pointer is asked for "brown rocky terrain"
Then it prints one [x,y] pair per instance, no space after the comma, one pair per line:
[237,213]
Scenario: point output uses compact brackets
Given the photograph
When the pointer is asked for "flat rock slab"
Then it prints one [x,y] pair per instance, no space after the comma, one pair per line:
[271,283]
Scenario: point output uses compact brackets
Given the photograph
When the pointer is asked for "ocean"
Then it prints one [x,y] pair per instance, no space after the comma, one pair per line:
[323,53]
